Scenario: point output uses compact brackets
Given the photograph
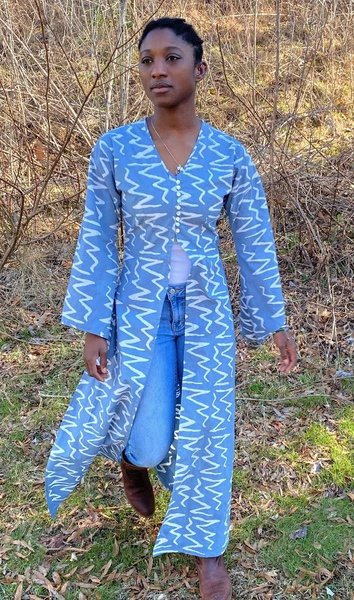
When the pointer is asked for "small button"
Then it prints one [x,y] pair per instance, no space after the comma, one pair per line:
[172,291]
[177,230]
[178,193]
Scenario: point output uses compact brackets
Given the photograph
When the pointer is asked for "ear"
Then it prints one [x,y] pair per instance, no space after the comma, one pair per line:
[201,70]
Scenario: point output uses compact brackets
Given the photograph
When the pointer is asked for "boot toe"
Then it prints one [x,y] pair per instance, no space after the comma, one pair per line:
[214,580]
[146,510]
[223,593]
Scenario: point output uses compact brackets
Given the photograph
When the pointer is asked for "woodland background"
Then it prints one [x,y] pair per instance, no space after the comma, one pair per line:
[281,81]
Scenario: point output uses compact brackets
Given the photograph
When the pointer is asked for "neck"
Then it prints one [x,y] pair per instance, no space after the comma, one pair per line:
[176,119]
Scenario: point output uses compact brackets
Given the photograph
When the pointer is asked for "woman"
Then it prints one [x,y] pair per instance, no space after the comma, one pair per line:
[159,385]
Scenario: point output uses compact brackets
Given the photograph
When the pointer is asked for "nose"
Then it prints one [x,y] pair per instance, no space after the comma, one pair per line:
[158,68]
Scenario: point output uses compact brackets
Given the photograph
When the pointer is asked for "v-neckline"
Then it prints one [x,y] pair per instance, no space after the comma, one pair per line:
[196,144]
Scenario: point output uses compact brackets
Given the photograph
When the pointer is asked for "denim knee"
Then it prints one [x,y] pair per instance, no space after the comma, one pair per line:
[146,457]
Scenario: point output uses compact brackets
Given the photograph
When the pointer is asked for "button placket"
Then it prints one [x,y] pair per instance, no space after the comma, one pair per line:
[178,207]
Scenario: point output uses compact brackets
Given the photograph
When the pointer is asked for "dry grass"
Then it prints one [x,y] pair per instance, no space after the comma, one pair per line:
[282,84]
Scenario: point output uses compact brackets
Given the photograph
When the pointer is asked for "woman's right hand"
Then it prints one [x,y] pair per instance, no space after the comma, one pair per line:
[96,346]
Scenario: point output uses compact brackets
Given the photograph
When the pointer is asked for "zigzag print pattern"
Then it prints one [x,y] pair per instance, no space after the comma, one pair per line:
[124,305]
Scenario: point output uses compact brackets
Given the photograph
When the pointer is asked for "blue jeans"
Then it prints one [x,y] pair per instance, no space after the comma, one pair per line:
[153,428]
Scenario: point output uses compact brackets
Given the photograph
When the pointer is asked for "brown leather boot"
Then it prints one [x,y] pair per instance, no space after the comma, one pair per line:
[214,580]
[137,487]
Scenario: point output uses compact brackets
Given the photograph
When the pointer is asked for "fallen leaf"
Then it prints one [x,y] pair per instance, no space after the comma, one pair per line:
[64,588]
[308,572]
[56,578]
[67,264]
[86,570]
[149,567]
[115,547]
[259,588]
[23,544]
[67,575]
[326,572]
[112,575]
[76,534]
[18,593]
[106,568]
[268,576]
[249,547]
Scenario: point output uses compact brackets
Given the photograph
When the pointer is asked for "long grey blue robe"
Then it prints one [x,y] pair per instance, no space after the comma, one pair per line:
[123,304]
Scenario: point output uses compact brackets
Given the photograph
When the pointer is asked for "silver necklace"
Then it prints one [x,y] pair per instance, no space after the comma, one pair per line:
[179,166]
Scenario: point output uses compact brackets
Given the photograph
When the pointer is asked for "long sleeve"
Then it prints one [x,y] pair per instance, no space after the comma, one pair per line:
[92,284]
[261,300]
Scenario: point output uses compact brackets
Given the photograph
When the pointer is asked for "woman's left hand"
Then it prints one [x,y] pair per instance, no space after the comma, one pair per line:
[287,348]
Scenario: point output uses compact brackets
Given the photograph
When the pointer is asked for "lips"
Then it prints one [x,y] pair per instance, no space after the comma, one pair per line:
[160,86]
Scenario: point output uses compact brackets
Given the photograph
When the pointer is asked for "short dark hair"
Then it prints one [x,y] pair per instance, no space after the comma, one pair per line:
[180,28]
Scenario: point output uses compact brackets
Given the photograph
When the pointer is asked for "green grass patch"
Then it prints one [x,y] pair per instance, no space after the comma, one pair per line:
[291,503]
[261,354]
[240,532]
[328,534]
[346,424]
[347,385]
[19,396]
[241,479]
[262,389]
[289,453]
[338,449]
[306,403]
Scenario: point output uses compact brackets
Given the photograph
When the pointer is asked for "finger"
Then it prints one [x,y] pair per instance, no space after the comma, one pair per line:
[103,361]
[102,373]
[291,351]
[284,366]
[92,370]
[102,370]
[287,367]
[284,357]
[293,356]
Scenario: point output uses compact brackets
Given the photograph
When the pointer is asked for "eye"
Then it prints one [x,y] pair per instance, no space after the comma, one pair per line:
[145,61]
[174,57]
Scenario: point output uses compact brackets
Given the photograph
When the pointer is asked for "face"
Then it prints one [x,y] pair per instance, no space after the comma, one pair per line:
[167,68]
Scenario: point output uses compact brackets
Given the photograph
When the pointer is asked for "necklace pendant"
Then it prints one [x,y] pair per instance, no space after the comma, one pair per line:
[179,169]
